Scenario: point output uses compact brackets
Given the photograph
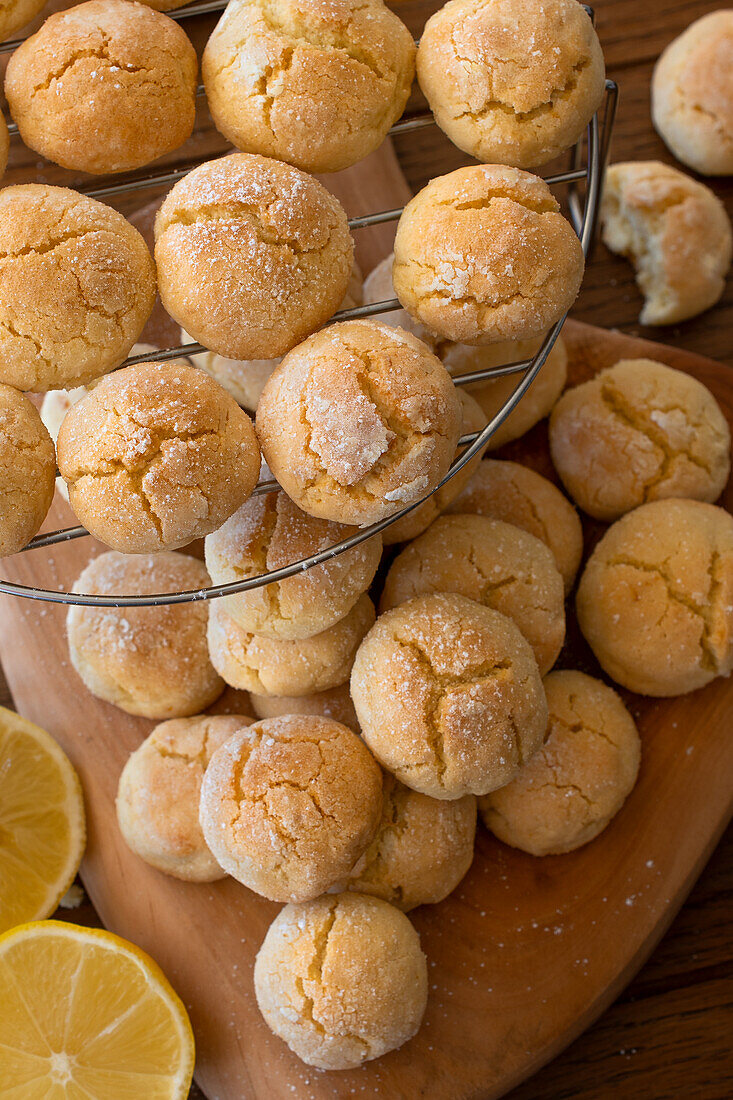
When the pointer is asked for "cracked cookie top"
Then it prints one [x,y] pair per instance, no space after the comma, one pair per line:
[289,804]
[77,284]
[494,563]
[448,695]
[274,666]
[514,493]
[422,850]
[159,791]
[106,86]
[484,255]
[655,601]
[636,432]
[359,421]
[567,793]
[512,81]
[317,83]
[341,979]
[676,233]
[334,703]
[155,456]
[268,532]
[27,470]
[692,95]
[151,661]
[253,255]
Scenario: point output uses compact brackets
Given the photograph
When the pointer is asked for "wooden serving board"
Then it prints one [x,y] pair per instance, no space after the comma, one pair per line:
[523,956]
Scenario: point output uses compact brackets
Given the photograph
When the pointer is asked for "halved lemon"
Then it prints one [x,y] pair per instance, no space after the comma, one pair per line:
[42,829]
[88,1016]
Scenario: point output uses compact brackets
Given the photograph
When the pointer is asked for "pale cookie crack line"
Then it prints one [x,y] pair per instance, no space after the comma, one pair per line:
[492,106]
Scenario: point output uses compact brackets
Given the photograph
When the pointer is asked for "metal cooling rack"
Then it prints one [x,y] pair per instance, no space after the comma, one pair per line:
[588,162]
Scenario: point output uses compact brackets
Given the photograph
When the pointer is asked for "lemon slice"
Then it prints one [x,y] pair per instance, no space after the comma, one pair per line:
[41,822]
[88,1016]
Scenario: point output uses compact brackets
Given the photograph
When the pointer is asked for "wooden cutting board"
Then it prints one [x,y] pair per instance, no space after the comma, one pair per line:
[523,956]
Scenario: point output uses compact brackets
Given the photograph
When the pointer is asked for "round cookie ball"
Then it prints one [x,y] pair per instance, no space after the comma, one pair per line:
[157,455]
[272,666]
[151,661]
[4,145]
[378,287]
[27,471]
[359,421]
[484,255]
[675,232]
[159,791]
[269,532]
[289,804]
[252,255]
[15,14]
[422,850]
[448,696]
[512,81]
[518,495]
[317,85]
[639,431]
[692,95]
[655,601]
[77,284]
[420,518]
[335,703]
[106,86]
[341,980]
[493,563]
[567,793]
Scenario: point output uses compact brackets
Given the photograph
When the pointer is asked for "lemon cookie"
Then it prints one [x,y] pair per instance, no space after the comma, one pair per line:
[151,661]
[422,850]
[159,790]
[157,455]
[518,495]
[655,601]
[674,231]
[15,14]
[512,81]
[341,980]
[494,563]
[692,95]
[636,432]
[448,696]
[289,804]
[574,785]
[253,255]
[106,86]
[274,666]
[269,532]
[484,255]
[314,84]
[77,285]
[27,471]
[359,421]
[334,703]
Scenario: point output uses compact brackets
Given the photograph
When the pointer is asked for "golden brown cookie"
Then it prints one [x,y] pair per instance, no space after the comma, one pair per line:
[15,14]
[334,703]
[448,696]
[151,661]
[572,787]
[314,84]
[636,432]
[512,81]
[77,285]
[655,601]
[493,563]
[341,980]
[252,255]
[4,145]
[106,86]
[484,255]
[159,790]
[289,804]
[155,456]
[27,471]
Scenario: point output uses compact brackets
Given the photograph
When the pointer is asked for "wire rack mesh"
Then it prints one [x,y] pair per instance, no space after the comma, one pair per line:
[588,161]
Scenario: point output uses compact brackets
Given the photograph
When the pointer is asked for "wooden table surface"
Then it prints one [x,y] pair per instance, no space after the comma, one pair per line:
[668,1035]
